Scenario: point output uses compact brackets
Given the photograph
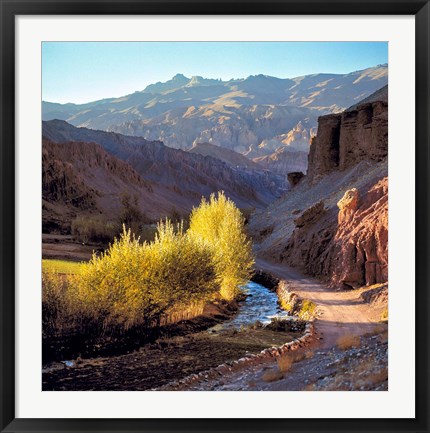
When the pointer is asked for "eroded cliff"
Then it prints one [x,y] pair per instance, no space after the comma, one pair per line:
[347,138]
[334,223]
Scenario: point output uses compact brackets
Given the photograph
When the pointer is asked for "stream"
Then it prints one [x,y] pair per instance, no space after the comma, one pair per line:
[261,305]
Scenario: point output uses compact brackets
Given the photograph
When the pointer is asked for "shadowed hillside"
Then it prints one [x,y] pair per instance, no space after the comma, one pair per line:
[179,179]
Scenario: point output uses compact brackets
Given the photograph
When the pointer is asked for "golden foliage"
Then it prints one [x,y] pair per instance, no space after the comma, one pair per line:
[142,284]
[307,310]
[220,225]
[134,284]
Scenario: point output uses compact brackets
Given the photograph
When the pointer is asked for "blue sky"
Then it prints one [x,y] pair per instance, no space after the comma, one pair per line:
[86,71]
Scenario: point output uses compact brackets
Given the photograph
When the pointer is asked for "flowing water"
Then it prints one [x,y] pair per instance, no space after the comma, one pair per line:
[260,305]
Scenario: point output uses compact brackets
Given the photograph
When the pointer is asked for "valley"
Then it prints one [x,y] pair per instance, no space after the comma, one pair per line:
[260,209]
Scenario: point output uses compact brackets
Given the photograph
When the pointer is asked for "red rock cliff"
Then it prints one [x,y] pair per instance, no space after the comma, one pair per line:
[347,138]
[349,249]
[347,244]
[359,249]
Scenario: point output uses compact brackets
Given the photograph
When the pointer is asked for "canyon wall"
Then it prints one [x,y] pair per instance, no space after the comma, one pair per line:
[347,138]
[347,244]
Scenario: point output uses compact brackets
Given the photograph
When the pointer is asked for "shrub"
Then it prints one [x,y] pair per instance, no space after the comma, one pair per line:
[54,302]
[130,215]
[93,229]
[348,341]
[285,363]
[183,266]
[134,284]
[307,310]
[60,310]
[220,225]
[272,375]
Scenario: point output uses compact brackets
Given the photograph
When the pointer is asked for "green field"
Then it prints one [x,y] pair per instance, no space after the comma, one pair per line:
[61,266]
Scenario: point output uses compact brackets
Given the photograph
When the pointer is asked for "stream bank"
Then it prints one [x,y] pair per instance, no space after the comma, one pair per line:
[174,357]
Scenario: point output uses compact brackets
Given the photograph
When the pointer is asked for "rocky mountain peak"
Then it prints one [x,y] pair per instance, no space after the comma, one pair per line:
[180,77]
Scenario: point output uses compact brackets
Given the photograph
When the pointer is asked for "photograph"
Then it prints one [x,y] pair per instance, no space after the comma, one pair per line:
[214,216]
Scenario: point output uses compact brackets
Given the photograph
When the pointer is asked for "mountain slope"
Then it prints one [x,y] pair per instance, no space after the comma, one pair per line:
[185,177]
[228,156]
[238,114]
[284,161]
[380,95]
[82,178]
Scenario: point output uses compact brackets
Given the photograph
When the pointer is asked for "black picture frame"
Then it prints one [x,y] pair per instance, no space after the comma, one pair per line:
[9,9]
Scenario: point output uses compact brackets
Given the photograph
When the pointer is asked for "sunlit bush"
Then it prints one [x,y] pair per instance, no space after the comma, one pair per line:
[145,284]
[135,284]
[58,311]
[220,225]
[53,301]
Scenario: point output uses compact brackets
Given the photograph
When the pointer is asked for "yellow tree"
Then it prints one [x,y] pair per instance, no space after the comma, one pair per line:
[220,225]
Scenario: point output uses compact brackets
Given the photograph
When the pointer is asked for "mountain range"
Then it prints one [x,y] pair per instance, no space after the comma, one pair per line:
[254,116]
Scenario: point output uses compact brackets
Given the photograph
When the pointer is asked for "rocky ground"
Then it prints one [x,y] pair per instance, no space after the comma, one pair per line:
[361,368]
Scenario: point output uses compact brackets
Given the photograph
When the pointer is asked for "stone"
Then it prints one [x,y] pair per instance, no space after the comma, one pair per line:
[295,177]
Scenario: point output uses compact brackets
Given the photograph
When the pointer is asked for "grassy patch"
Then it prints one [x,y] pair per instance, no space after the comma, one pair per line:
[286,361]
[61,266]
[307,310]
[348,341]
[272,375]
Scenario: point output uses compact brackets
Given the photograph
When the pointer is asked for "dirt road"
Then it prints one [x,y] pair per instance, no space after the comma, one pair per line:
[323,366]
[328,367]
[340,312]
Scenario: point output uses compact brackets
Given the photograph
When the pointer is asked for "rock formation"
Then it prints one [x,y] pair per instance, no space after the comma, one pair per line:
[359,250]
[295,177]
[345,139]
[351,252]
[334,223]
[347,205]
[284,161]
